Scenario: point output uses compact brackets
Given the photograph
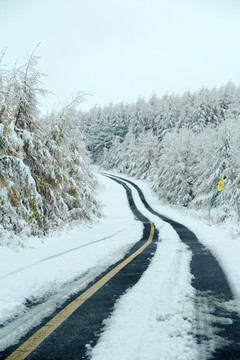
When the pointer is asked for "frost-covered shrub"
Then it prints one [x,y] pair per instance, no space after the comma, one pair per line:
[3,140]
[19,197]
[45,176]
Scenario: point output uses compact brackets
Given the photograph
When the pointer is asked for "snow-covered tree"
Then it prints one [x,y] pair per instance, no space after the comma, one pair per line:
[216,162]
[45,178]
[146,155]
[176,175]
[28,89]
[193,139]
[206,111]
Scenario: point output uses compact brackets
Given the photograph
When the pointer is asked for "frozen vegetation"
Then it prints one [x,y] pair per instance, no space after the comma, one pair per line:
[45,177]
[182,145]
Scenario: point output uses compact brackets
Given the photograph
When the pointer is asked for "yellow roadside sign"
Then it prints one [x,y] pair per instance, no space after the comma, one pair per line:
[220,184]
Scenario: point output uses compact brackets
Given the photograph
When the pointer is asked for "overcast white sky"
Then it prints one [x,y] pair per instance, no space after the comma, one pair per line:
[118,50]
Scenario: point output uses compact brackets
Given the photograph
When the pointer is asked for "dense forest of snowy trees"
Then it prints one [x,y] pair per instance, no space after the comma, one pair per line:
[45,177]
[183,145]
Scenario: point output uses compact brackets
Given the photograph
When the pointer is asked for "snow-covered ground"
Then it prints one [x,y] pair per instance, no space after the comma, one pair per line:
[153,320]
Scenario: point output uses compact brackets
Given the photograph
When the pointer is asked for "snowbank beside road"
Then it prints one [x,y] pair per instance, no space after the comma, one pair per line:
[157,313]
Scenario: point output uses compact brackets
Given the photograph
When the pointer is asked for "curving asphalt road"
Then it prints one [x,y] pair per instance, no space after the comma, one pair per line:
[215,326]
[84,325]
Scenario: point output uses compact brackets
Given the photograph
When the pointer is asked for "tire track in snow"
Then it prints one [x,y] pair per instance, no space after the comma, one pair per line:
[60,254]
[216,325]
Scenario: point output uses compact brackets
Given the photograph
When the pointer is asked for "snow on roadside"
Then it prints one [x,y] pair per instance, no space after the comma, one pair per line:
[44,267]
[222,240]
[155,319]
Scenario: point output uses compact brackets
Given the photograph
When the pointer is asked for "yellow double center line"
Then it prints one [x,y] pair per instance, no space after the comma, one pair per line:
[36,339]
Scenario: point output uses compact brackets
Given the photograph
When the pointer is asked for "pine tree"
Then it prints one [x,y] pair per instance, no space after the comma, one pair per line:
[45,177]
[218,158]
[29,87]
[176,168]
[146,155]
